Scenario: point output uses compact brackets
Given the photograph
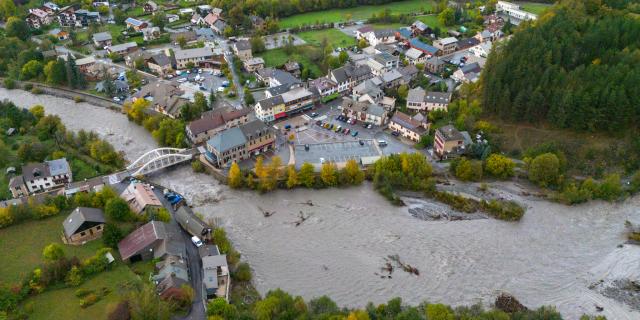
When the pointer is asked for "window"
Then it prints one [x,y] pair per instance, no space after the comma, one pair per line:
[99,228]
[82,233]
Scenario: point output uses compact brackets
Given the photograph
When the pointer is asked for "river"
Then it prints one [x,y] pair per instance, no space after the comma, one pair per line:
[550,257]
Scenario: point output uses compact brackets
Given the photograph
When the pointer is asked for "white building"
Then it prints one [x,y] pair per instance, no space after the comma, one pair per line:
[41,177]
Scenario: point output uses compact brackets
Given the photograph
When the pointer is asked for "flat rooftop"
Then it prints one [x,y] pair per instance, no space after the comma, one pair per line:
[337,152]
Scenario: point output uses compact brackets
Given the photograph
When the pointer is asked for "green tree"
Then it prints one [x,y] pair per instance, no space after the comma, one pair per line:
[235,178]
[182,41]
[7,9]
[159,19]
[545,169]
[53,252]
[117,209]
[611,188]
[468,170]
[74,277]
[362,43]
[500,166]
[145,304]
[257,44]
[352,173]
[343,57]
[243,272]
[307,176]
[220,307]
[439,312]
[16,27]
[119,16]
[447,17]
[37,111]
[136,111]
[31,69]
[55,72]
[111,235]
[292,177]
[328,174]
[403,91]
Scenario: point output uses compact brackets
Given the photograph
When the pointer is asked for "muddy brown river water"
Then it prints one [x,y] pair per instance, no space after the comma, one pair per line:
[550,257]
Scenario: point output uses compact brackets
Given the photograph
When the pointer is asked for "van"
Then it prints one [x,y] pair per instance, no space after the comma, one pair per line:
[196,241]
[382,143]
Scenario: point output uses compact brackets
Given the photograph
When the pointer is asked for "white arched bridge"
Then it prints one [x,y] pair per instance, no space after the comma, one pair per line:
[154,160]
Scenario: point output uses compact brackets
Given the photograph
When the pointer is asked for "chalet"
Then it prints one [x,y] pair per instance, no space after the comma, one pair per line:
[85,64]
[150,7]
[448,142]
[468,73]
[408,127]
[85,17]
[59,34]
[419,99]
[135,24]
[140,197]
[102,39]
[150,34]
[154,240]
[446,45]
[293,67]
[83,225]
[160,64]
[420,28]
[165,97]
[197,57]
[216,277]
[350,75]
[122,49]
[415,56]
[434,65]
[239,143]
[466,43]
[364,111]
[38,18]
[217,120]
[41,177]
[242,49]
[67,17]
[253,64]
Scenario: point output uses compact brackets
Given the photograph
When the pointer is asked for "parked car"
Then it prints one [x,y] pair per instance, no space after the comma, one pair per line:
[182,80]
[382,143]
[196,241]
[347,130]
[354,134]
[306,147]
[220,89]
[225,83]
[361,142]
[116,99]
[395,133]
[318,122]
[314,114]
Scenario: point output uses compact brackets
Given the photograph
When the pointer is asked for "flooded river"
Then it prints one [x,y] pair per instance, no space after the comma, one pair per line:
[551,257]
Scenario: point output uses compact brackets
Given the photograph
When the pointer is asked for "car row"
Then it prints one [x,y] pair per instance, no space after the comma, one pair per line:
[336,128]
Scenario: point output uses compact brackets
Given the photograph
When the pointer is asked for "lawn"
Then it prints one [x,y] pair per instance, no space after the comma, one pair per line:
[357,13]
[534,7]
[21,246]
[278,57]
[335,38]
[432,21]
[63,304]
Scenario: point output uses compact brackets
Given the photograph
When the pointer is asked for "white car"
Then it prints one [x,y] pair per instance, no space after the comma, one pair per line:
[199,71]
[182,80]
[220,89]
[197,242]
[116,99]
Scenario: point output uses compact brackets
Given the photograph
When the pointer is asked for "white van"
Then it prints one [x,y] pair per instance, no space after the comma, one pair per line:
[382,143]
[196,241]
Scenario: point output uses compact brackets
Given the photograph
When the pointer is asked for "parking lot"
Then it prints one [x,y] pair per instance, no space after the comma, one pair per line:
[338,152]
[207,82]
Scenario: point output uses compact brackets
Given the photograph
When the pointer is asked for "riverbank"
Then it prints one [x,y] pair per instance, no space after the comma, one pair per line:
[550,257]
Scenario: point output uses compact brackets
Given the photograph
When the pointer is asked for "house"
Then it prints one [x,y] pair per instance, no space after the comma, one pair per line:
[293,67]
[280,105]
[188,36]
[219,26]
[253,64]
[135,57]
[172,17]
[434,65]
[404,34]
[140,197]
[324,86]
[242,49]
[204,9]
[408,127]
[84,17]
[67,17]
[165,97]
[153,240]
[350,75]
[392,78]
[192,224]
[363,32]
[210,19]
[257,22]
[466,43]
[415,56]
[150,34]
[215,121]
[41,177]
[85,64]
[59,34]
[122,49]
[102,39]
[239,143]
[216,277]
[446,45]
[135,24]
[87,186]
[82,225]
[430,51]
[419,99]
[482,50]
[160,64]
[196,56]
[484,36]
[448,142]
[420,28]
[367,91]
[205,34]
[382,62]
[186,11]
[38,18]
[278,78]
[51,6]
[171,288]
[385,36]
[468,73]
[364,111]
[409,73]
[150,7]
[171,266]
[514,12]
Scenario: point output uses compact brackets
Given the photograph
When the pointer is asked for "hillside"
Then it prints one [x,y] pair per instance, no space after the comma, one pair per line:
[577,67]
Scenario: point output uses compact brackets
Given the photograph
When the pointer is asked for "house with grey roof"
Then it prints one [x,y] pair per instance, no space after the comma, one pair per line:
[216,277]
[468,73]
[192,223]
[408,127]
[41,177]
[101,39]
[446,45]
[242,49]
[171,265]
[421,100]
[153,240]
[350,75]
[240,143]
[123,49]
[415,56]
[364,111]
[196,56]
[449,142]
[368,91]
[83,225]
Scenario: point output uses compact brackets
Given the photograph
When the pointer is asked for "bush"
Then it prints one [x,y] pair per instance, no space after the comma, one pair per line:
[9,84]
[197,167]
[27,86]
[503,210]
[111,235]
[117,209]
[573,195]
[499,166]
[53,252]
[82,292]
[97,263]
[611,188]
[545,169]
[74,277]
[78,99]
[468,170]
[89,300]
[36,90]
[243,273]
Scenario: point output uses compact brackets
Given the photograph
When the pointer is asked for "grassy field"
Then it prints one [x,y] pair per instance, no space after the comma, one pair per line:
[278,57]
[534,7]
[21,246]
[357,13]
[432,21]
[335,38]
[63,304]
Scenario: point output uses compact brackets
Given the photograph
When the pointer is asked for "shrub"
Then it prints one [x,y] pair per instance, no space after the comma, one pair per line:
[197,167]
[82,292]
[74,277]
[243,272]
[97,263]
[573,195]
[503,210]
[36,90]
[9,84]
[117,209]
[5,218]
[545,169]
[111,235]
[89,300]
[611,188]
[468,170]
[27,86]
[78,99]
[53,252]
[499,166]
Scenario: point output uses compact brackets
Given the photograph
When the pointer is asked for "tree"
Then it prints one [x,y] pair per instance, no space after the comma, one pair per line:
[157,214]
[235,176]
[117,209]
[111,235]
[37,111]
[74,277]
[544,169]
[145,304]
[362,43]
[257,44]
[159,20]
[270,175]
[500,166]
[328,174]
[7,9]
[468,170]
[447,17]
[307,176]
[182,41]
[439,312]
[17,27]
[611,188]
[119,16]
[343,57]
[53,252]
[31,69]
[403,91]
[55,72]
[136,111]
[243,272]
[73,74]
[352,173]
[248,97]
[220,307]
[292,177]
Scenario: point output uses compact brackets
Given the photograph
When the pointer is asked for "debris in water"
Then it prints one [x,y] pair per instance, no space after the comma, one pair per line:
[325,268]
[266,213]
[405,266]
[509,303]
[599,308]
[301,219]
[308,203]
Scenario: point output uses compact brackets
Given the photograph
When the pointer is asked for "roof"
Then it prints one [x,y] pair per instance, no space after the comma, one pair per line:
[437,97]
[365,29]
[413,53]
[384,57]
[416,43]
[191,222]
[210,18]
[408,71]
[192,53]
[220,25]
[406,121]
[243,45]
[391,75]
[79,216]
[58,167]
[134,22]
[450,133]
[161,59]
[139,196]
[296,93]
[254,61]
[269,103]
[227,140]
[485,33]
[447,41]
[420,25]
[169,283]
[436,61]
[291,66]
[283,77]
[123,47]
[322,83]
[467,43]
[405,33]
[472,67]
[367,87]
[56,31]
[210,266]
[363,106]
[416,95]
[87,60]
[254,128]
[152,4]
[141,238]
[207,33]
[383,33]
[350,71]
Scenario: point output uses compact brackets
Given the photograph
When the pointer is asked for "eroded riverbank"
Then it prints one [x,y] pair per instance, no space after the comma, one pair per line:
[550,257]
